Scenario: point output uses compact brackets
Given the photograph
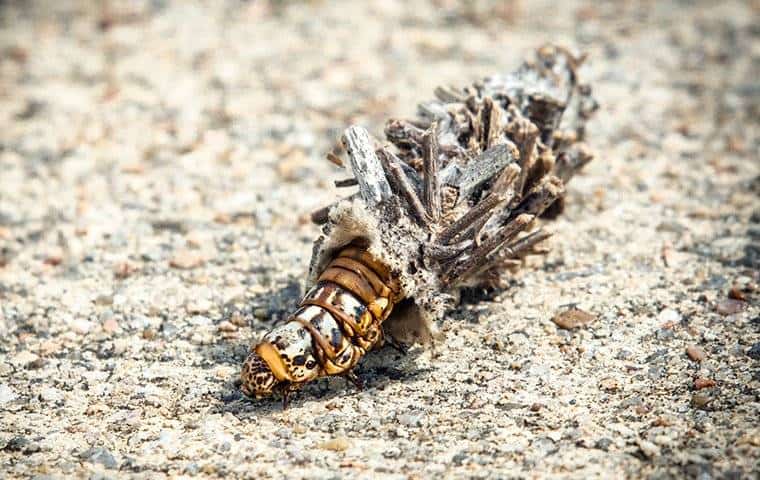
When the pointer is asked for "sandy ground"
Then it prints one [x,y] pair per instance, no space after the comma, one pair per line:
[158,162]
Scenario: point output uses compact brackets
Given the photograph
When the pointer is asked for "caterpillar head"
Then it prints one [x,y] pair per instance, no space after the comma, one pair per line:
[257,378]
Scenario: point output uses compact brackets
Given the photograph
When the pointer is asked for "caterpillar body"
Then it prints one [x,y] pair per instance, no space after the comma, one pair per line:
[338,321]
[455,202]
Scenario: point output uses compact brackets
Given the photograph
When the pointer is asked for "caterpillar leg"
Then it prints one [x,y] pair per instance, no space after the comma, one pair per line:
[288,390]
[400,347]
[357,382]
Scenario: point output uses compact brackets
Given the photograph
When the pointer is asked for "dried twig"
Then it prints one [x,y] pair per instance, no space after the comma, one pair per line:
[432,185]
[402,184]
[373,185]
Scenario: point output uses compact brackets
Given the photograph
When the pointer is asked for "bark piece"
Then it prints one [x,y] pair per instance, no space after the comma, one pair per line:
[366,167]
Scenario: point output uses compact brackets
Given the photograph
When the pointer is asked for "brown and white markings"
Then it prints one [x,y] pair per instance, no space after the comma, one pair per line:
[336,324]
[455,202]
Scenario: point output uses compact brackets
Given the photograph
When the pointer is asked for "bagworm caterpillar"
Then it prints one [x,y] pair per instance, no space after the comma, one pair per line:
[455,203]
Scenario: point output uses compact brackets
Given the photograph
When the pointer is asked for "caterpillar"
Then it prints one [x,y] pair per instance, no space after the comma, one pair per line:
[338,321]
[455,202]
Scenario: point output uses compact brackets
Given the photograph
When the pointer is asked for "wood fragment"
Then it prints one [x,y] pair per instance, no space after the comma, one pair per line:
[521,247]
[404,134]
[537,200]
[483,208]
[334,159]
[346,182]
[491,126]
[569,162]
[320,216]
[483,255]
[446,252]
[449,95]
[501,193]
[484,167]
[432,185]
[366,167]
[524,134]
[400,181]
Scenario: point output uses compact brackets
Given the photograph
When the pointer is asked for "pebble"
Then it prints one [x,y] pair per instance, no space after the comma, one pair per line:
[337,444]
[754,351]
[81,326]
[702,382]
[6,394]
[227,326]
[22,444]
[669,316]
[186,259]
[730,306]
[392,452]
[110,325]
[573,318]
[648,448]
[603,444]
[736,293]
[24,358]
[199,305]
[609,384]
[413,419]
[50,394]
[700,400]
[695,353]
[99,455]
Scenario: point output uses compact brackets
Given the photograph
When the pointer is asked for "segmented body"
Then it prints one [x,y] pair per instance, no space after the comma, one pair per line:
[338,321]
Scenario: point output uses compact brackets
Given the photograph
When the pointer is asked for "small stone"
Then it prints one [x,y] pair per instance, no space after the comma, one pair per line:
[110,325]
[752,438]
[662,422]
[337,444]
[53,260]
[642,409]
[392,452]
[6,394]
[669,317]
[99,455]
[648,448]
[695,353]
[226,326]
[609,384]
[199,305]
[50,394]
[24,358]
[124,269]
[736,293]
[573,318]
[186,259]
[702,382]
[81,326]
[603,444]
[410,419]
[535,407]
[729,306]
[16,444]
[700,400]
[754,351]
[49,347]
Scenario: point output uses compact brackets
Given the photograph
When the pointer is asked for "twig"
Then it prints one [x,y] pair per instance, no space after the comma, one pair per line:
[432,187]
[402,184]
[373,185]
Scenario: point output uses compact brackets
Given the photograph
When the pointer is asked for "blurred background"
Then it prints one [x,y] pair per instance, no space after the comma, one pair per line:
[158,164]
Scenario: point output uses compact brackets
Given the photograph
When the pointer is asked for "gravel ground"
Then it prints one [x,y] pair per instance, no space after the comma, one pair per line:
[158,162]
